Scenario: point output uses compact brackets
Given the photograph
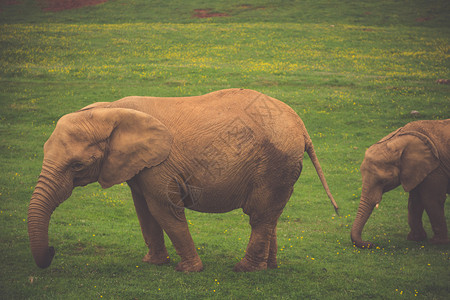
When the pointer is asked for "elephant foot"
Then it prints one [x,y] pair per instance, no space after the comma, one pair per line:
[159,259]
[439,241]
[246,266]
[363,245]
[272,265]
[194,265]
[417,236]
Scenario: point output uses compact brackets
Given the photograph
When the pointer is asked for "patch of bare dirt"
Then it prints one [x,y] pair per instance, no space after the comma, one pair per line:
[4,3]
[443,81]
[207,13]
[59,5]
[10,2]
[424,19]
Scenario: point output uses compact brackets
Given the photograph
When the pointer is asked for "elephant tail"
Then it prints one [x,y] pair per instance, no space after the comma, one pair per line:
[312,155]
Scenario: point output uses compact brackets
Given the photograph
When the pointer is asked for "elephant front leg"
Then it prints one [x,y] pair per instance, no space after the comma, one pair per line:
[173,221]
[415,212]
[151,230]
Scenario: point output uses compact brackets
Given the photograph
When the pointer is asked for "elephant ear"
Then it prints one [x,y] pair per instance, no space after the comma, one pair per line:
[389,136]
[419,158]
[136,141]
[96,105]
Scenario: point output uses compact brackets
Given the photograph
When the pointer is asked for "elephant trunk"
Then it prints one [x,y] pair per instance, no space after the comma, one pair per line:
[47,195]
[364,211]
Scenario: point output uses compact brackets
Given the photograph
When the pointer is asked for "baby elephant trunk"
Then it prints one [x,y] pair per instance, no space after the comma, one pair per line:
[364,211]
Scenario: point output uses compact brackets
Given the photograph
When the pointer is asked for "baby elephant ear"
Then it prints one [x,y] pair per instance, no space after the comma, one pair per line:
[418,159]
[96,105]
[137,141]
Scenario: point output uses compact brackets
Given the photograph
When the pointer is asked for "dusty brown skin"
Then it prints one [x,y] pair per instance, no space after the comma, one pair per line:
[213,153]
[417,156]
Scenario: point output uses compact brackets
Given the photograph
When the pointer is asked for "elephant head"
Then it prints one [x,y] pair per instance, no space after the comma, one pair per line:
[404,158]
[108,145]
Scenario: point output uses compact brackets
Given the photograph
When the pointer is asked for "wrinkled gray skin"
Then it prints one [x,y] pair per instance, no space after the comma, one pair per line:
[213,153]
[416,156]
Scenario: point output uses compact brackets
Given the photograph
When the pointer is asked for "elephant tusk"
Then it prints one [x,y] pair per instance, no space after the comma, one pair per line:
[376,206]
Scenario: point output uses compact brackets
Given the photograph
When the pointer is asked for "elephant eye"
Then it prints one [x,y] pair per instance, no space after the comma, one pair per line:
[77,166]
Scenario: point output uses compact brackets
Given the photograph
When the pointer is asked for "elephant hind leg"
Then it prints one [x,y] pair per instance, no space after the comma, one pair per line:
[273,249]
[433,194]
[262,249]
[258,250]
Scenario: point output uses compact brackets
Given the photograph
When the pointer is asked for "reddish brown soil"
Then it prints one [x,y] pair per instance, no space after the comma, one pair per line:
[4,3]
[10,2]
[424,19]
[59,5]
[443,81]
[207,13]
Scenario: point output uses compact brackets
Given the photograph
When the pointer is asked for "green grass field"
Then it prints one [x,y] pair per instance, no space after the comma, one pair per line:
[352,70]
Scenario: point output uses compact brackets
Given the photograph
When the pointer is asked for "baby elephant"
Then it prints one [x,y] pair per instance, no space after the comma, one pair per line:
[417,156]
[214,153]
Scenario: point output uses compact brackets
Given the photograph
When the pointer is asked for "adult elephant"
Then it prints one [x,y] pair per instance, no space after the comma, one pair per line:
[213,153]
[417,156]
